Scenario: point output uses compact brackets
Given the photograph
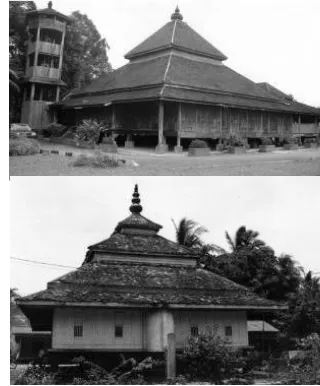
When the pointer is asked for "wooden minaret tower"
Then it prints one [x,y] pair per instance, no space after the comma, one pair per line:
[42,80]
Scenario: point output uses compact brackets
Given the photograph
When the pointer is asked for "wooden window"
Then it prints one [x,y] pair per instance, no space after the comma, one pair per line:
[78,330]
[118,331]
[228,331]
[194,331]
[118,327]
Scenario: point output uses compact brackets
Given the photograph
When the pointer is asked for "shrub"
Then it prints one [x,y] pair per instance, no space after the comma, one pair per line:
[209,357]
[35,376]
[198,144]
[54,130]
[89,130]
[266,141]
[23,146]
[234,141]
[290,141]
[310,140]
[97,161]
[304,368]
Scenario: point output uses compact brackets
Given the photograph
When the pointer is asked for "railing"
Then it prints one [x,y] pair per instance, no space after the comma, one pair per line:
[51,23]
[305,128]
[43,72]
[48,23]
[49,48]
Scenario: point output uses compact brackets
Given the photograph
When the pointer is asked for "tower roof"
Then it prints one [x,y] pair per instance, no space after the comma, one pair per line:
[48,11]
[179,35]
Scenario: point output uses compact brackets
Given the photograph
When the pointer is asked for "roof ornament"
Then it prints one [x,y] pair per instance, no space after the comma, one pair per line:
[135,207]
[176,15]
[50,5]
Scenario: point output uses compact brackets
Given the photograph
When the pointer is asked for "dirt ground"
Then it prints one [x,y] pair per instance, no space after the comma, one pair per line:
[144,162]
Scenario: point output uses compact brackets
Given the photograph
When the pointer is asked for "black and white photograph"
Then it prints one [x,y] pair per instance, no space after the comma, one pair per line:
[165,280]
[161,199]
[209,87]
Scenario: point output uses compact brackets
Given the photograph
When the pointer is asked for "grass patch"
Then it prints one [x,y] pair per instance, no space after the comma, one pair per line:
[97,161]
[23,146]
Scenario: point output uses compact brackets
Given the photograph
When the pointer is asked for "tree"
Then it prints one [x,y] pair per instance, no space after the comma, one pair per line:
[304,308]
[18,36]
[85,53]
[189,234]
[244,238]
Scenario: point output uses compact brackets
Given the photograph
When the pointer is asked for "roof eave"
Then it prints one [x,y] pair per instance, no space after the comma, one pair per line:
[48,303]
[139,54]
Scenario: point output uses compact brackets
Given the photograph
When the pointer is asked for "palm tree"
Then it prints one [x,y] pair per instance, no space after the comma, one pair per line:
[244,238]
[189,233]
[13,82]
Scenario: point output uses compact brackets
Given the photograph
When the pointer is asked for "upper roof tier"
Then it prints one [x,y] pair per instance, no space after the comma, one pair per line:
[137,235]
[178,35]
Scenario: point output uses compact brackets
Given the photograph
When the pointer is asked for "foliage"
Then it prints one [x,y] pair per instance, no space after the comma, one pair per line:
[88,130]
[18,35]
[235,141]
[85,53]
[189,234]
[254,264]
[54,130]
[35,376]
[290,141]
[23,146]
[266,141]
[303,317]
[96,161]
[304,368]
[198,144]
[245,238]
[209,357]
[310,140]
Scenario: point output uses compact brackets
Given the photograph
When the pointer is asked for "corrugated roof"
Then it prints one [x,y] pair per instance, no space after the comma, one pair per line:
[260,326]
[148,284]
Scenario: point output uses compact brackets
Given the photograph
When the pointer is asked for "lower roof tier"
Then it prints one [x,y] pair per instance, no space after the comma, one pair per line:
[146,285]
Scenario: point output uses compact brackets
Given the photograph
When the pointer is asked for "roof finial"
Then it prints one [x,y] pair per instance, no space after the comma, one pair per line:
[135,207]
[50,5]
[177,15]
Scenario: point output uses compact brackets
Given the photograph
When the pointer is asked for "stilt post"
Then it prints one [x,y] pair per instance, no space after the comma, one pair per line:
[162,146]
[171,357]
[178,147]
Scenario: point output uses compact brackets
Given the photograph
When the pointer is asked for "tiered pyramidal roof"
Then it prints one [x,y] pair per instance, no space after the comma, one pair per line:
[137,267]
[177,64]
[178,35]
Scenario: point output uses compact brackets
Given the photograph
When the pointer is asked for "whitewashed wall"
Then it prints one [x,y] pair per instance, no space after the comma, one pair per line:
[141,331]
[236,319]
[98,329]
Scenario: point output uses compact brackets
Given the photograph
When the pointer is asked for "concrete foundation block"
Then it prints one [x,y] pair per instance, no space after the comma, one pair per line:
[161,149]
[178,149]
[129,144]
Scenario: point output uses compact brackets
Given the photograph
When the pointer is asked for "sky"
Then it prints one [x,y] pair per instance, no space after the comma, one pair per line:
[275,41]
[55,219]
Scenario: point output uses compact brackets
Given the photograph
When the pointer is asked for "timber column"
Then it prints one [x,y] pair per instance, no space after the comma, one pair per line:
[178,147]
[162,147]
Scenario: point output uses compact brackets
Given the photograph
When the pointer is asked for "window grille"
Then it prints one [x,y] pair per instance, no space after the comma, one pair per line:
[194,331]
[78,331]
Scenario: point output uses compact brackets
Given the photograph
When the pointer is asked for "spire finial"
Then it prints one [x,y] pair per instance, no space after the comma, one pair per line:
[50,5]
[176,15]
[135,207]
